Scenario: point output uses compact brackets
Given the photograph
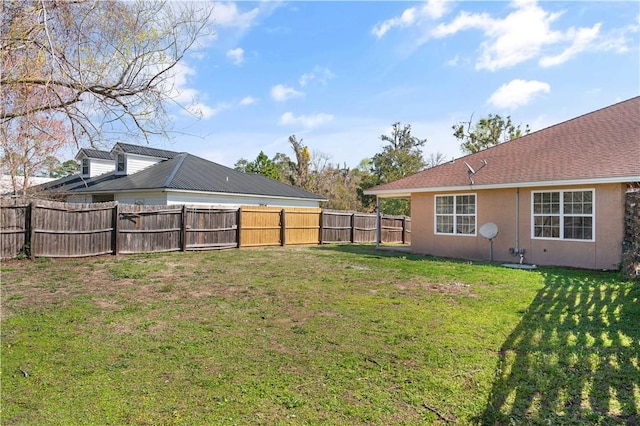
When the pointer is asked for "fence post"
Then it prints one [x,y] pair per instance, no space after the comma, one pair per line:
[29,230]
[352,233]
[183,230]
[378,223]
[32,229]
[321,227]
[404,227]
[115,239]
[239,227]
[283,227]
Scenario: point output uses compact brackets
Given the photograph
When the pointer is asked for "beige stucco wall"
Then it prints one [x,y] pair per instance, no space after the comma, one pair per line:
[499,206]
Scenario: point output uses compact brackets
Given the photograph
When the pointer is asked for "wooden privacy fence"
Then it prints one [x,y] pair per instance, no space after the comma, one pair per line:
[53,229]
[352,227]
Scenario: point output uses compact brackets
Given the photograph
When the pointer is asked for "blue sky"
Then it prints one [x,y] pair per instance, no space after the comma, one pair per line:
[338,73]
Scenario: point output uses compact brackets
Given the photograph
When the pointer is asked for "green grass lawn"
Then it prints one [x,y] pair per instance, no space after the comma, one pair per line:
[315,335]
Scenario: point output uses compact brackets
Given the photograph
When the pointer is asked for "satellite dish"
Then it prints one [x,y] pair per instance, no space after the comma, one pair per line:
[489,230]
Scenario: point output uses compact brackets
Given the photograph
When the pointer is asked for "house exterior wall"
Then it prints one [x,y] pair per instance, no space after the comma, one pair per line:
[135,163]
[499,206]
[144,198]
[79,198]
[98,167]
[151,198]
[193,198]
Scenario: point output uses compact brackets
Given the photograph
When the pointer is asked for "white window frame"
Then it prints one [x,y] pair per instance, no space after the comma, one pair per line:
[86,164]
[562,215]
[456,215]
[124,163]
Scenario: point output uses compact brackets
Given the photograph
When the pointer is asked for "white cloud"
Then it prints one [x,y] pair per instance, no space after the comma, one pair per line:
[236,55]
[281,93]
[187,97]
[619,39]
[305,79]
[248,100]
[431,10]
[407,18]
[228,15]
[320,74]
[463,21]
[307,121]
[435,9]
[517,93]
[204,111]
[524,34]
[582,39]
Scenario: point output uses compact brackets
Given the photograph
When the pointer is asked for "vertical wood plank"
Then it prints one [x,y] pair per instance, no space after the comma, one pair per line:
[116,229]
[32,229]
[283,227]
[404,227]
[239,227]
[183,227]
[352,232]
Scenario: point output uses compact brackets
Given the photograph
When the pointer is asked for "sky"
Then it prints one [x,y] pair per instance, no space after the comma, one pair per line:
[338,74]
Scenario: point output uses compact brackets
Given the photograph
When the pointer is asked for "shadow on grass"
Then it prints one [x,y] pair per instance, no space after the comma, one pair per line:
[574,358]
[370,250]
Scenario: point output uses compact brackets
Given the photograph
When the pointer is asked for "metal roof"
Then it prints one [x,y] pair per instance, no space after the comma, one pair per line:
[94,153]
[144,150]
[183,172]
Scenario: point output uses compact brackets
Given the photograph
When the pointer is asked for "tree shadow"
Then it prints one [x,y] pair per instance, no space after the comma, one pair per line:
[574,358]
[369,250]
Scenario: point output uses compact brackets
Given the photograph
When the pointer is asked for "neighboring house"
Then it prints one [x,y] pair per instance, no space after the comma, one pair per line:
[557,195]
[133,174]
[6,183]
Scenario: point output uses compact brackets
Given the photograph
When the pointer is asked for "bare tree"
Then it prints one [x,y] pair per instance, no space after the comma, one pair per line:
[434,159]
[104,68]
[29,142]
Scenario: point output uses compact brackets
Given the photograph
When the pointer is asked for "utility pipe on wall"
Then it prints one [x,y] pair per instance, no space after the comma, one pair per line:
[378,222]
[518,220]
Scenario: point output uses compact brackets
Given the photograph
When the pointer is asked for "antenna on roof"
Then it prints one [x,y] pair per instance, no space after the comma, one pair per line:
[471,171]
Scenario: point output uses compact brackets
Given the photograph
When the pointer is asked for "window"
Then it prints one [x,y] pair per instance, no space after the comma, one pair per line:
[455,214]
[85,167]
[120,163]
[565,215]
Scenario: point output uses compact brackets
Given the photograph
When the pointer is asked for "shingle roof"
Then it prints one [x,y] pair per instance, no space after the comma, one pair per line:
[145,150]
[94,153]
[185,172]
[601,146]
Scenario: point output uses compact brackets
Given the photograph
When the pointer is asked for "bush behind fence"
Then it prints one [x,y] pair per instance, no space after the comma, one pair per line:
[53,229]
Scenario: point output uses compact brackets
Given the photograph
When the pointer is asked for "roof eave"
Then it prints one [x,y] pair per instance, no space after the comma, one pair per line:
[241,194]
[192,191]
[405,192]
